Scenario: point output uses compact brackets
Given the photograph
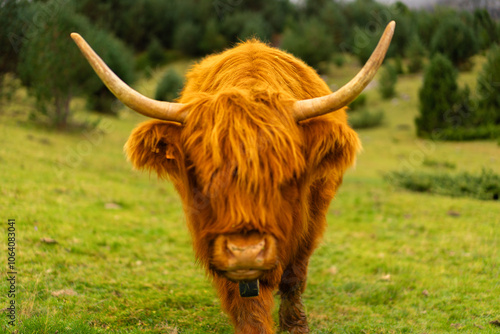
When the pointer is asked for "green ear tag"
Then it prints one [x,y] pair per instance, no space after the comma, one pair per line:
[249,289]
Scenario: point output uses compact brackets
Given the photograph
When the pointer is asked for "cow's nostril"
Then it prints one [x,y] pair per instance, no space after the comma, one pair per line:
[236,249]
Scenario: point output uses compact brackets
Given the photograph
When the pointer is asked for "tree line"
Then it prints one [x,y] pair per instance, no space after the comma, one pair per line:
[133,35]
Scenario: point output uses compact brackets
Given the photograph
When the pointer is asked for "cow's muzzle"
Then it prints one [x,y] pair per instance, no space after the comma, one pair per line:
[244,257]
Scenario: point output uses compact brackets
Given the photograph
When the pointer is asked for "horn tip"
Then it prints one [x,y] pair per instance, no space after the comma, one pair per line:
[392,25]
[75,36]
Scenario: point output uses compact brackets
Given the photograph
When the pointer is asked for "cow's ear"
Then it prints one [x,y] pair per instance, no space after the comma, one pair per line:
[331,145]
[155,146]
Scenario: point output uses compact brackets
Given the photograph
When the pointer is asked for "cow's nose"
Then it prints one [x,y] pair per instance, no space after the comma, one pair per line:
[244,256]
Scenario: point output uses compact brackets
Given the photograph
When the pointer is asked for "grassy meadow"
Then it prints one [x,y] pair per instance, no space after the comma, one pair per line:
[104,249]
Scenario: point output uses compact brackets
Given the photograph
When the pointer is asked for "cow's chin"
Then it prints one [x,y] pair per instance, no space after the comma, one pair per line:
[243,274]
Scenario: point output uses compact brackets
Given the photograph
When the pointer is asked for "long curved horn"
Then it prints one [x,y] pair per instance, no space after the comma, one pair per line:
[318,106]
[166,111]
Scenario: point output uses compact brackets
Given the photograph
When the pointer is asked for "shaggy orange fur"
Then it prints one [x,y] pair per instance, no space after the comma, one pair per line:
[241,163]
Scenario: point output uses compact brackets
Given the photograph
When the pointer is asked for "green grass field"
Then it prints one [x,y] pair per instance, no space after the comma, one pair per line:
[104,249]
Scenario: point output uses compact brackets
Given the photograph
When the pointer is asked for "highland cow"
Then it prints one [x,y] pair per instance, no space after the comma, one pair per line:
[256,147]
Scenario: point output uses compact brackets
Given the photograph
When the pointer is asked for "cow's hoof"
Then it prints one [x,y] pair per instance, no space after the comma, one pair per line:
[303,329]
[295,325]
[292,316]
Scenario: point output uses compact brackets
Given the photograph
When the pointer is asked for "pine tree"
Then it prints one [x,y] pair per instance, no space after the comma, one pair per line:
[187,37]
[438,96]
[169,87]
[488,86]
[456,40]
[387,81]
[310,42]
[212,40]
[415,53]
[54,70]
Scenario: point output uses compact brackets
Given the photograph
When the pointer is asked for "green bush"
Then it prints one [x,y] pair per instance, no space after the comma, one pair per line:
[155,52]
[387,82]
[137,22]
[232,25]
[425,27]
[498,33]
[438,96]
[438,164]
[256,27]
[170,86]
[213,40]
[398,65]
[12,33]
[338,59]
[54,70]
[154,56]
[365,119]
[456,40]
[448,113]
[485,28]
[187,38]
[331,14]
[485,186]
[469,133]
[415,54]
[143,62]
[309,41]
[364,44]
[246,24]
[9,86]
[488,87]
[314,7]
[276,13]
[358,103]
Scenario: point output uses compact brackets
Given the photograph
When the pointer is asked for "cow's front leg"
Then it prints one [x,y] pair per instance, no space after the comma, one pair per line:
[249,315]
[293,283]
